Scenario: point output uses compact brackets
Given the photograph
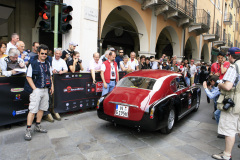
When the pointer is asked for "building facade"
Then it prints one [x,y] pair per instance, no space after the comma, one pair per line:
[189,29]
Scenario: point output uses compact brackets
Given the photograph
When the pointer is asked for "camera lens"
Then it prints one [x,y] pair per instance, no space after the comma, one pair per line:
[226,106]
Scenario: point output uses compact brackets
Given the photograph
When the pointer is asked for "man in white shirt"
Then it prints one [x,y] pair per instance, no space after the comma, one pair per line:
[11,62]
[58,64]
[193,71]
[95,66]
[154,62]
[133,62]
[13,42]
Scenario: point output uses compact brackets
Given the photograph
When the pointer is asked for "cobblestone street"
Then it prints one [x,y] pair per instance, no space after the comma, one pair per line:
[85,136]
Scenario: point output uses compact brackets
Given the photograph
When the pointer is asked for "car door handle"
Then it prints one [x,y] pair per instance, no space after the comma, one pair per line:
[182,99]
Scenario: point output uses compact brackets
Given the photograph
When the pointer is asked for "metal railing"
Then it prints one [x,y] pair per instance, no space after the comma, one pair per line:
[228,17]
[185,6]
[202,17]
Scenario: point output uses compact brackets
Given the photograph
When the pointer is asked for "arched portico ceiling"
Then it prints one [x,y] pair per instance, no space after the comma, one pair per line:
[193,48]
[128,17]
[172,37]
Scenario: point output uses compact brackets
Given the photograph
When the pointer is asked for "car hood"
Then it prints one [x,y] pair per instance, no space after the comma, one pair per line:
[137,99]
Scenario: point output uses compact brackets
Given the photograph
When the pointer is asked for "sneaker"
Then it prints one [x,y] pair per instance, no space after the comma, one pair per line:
[221,156]
[38,128]
[28,135]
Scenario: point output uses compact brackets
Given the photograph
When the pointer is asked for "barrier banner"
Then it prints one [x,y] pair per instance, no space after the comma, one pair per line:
[13,100]
[76,91]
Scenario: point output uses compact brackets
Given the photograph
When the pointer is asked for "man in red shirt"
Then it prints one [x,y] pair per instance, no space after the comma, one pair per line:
[220,67]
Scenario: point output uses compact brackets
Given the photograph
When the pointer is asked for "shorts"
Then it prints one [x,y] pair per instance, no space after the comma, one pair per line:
[39,100]
[229,124]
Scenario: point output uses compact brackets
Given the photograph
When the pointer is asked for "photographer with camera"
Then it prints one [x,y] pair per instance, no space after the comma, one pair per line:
[229,104]
[75,65]
[212,91]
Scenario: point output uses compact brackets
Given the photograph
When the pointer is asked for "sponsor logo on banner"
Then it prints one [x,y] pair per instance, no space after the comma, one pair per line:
[17,89]
[74,105]
[72,89]
[67,76]
[15,113]
[99,86]
[18,96]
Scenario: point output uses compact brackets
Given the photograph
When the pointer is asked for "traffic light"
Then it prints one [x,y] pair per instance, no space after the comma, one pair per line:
[65,18]
[45,24]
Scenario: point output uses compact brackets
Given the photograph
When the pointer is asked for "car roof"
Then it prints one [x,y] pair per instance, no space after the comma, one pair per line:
[151,73]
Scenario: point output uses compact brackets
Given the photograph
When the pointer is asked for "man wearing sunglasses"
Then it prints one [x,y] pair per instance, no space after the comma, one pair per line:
[39,82]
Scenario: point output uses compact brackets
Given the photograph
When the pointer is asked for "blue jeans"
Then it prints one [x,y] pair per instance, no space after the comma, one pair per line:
[187,80]
[217,114]
[109,88]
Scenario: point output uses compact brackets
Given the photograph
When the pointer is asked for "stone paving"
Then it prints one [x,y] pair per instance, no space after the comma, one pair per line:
[85,136]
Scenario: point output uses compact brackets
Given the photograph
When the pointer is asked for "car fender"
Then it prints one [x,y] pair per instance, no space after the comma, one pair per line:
[161,107]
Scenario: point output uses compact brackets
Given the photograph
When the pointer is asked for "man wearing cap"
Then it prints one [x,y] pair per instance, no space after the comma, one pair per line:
[164,65]
[220,67]
[193,71]
[229,123]
[67,54]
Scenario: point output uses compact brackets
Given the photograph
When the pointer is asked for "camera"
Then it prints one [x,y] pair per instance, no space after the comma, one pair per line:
[79,61]
[228,102]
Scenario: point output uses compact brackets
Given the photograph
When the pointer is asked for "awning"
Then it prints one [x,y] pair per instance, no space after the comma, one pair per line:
[215,51]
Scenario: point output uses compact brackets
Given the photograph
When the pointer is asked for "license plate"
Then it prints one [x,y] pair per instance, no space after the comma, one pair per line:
[121,111]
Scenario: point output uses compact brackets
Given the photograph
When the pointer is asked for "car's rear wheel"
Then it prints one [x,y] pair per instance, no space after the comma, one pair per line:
[197,104]
[170,122]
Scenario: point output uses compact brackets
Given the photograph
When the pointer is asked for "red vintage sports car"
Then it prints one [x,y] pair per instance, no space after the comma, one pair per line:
[149,100]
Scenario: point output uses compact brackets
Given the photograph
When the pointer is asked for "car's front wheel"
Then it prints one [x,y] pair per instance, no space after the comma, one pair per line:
[170,122]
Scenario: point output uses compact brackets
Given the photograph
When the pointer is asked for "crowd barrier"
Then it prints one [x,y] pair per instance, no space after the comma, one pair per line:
[72,92]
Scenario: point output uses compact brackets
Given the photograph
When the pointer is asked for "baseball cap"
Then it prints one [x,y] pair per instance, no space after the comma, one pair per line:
[73,43]
[233,50]
[112,49]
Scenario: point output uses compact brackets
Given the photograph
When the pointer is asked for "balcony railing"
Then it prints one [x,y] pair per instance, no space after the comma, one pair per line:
[228,18]
[184,6]
[202,17]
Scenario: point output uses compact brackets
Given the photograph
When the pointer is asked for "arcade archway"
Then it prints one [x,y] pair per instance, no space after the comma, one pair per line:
[168,43]
[205,54]
[124,28]
[191,49]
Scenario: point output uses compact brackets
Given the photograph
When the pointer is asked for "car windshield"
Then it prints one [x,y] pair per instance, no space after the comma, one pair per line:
[137,82]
